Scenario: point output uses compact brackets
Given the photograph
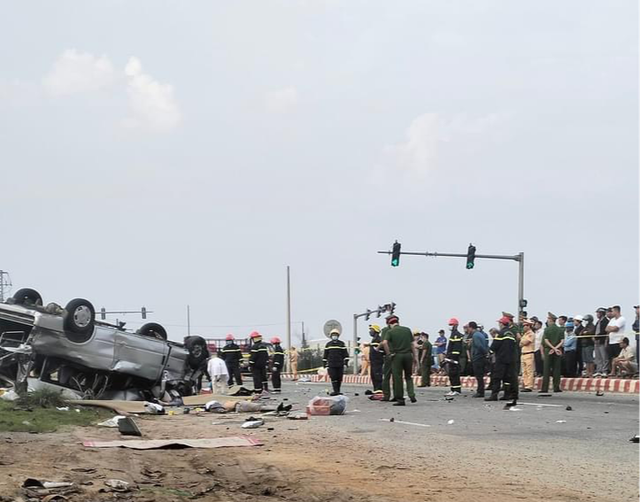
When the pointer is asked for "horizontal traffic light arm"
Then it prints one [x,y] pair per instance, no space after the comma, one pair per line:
[459,255]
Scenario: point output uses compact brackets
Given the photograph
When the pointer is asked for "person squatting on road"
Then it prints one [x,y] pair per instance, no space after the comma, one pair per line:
[278,363]
[336,357]
[231,354]
[400,349]
[504,371]
[258,361]
[527,344]
[452,359]
[376,358]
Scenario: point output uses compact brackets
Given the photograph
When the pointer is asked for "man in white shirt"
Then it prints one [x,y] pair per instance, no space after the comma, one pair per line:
[219,374]
[615,329]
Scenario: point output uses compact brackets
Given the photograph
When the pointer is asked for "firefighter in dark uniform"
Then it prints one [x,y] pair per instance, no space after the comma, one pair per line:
[231,354]
[336,357]
[454,349]
[258,361]
[504,347]
[376,358]
[278,364]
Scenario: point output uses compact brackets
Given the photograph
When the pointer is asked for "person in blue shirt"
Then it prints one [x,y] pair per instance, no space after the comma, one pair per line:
[479,351]
[441,348]
[570,350]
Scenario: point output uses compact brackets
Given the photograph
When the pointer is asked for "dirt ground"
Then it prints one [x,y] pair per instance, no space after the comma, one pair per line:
[300,461]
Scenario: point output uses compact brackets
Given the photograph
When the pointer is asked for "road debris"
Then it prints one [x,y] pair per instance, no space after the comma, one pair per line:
[62,408]
[334,405]
[393,420]
[451,422]
[128,427]
[561,421]
[153,408]
[36,483]
[117,485]
[112,422]
[253,423]
[569,408]
[299,416]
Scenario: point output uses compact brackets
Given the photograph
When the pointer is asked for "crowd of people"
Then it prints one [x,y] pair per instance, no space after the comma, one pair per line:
[590,346]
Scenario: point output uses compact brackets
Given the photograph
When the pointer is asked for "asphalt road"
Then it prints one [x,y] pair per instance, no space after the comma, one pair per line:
[586,448]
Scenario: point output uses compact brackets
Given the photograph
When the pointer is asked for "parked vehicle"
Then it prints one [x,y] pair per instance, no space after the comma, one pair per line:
[69,348]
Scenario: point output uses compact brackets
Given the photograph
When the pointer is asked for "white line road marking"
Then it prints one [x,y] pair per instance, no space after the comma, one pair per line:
[541,404]
[404,423]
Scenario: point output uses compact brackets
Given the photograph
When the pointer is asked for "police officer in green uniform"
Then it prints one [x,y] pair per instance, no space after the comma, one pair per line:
[425,358]
[402,352]
[386,368]
[552,341]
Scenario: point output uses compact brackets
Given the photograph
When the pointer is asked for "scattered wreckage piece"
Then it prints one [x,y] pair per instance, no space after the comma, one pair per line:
[151,444]
[68,348]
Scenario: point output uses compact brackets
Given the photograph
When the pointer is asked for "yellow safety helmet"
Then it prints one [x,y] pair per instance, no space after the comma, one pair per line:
[374,327]
[335,332]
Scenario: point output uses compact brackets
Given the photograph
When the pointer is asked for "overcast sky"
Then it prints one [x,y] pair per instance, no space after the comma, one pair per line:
[173,153]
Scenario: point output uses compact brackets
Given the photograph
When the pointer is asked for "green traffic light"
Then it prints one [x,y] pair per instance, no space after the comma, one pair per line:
[395,262]
[469,265]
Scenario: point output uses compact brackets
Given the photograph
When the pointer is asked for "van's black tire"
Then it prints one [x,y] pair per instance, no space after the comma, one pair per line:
[26,297]
[198,351]
[79,320]
[154,330]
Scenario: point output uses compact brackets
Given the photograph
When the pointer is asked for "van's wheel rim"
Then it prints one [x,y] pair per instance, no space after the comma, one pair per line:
[82,316]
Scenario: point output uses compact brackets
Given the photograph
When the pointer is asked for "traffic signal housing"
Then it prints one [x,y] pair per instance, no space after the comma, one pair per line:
[395,254]
[471,256]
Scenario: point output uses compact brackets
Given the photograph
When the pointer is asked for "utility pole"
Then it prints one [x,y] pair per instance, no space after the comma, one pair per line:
[4,284]
[522,303]
[289,308]
[188,320]
[387,307]
[287,361]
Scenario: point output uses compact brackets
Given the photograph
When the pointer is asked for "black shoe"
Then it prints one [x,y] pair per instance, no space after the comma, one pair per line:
[399,403]
[333,393]
[526,390]
[505,398]
[478,395]
[559,390]
[492,397]
[277,390]
[413,399]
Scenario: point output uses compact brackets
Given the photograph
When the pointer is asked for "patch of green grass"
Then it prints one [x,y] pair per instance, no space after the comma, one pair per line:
[43,398]
[17,418]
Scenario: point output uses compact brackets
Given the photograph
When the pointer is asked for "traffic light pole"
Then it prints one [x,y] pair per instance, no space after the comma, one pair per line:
[518,257]
[387,307]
